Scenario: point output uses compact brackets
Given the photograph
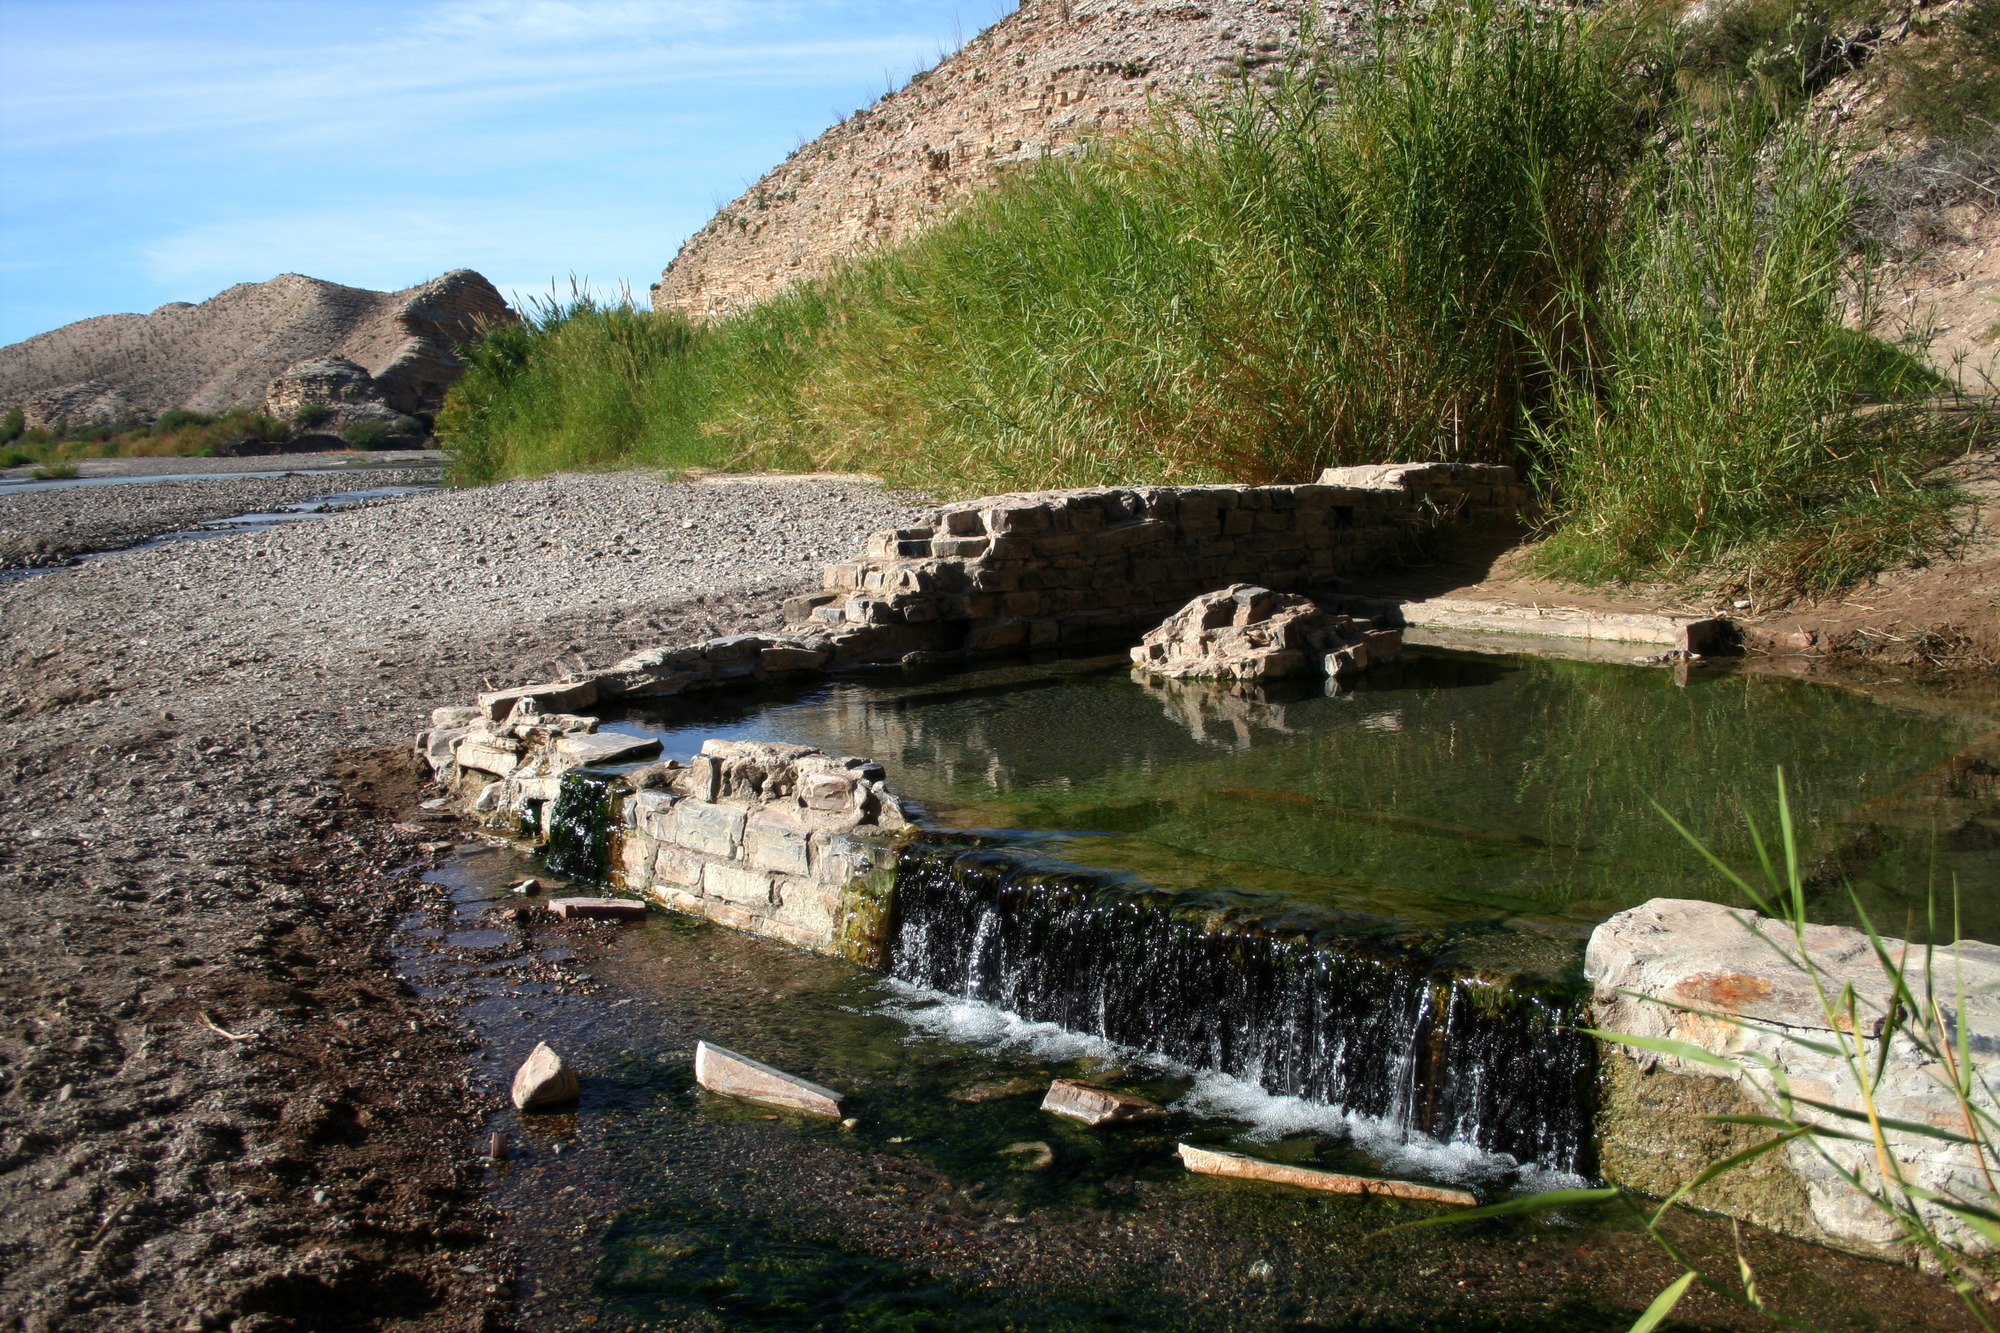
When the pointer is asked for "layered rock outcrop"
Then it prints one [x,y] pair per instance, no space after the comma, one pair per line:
[267,345]
[1039,81]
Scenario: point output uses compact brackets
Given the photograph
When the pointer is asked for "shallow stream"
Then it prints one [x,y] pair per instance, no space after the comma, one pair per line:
[1475,814]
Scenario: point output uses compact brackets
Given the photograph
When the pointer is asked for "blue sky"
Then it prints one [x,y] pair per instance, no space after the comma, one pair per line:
[160,151]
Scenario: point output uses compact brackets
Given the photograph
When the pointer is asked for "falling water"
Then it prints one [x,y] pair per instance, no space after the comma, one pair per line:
[1354,1012]
[579,827]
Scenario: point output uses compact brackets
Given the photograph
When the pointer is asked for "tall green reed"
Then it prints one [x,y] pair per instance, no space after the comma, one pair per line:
[1718,417]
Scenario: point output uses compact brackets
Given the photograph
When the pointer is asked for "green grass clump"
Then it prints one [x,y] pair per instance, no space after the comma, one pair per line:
[1503,235]
[1347,267]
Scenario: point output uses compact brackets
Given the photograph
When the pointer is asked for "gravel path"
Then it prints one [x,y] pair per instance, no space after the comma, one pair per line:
[51,527]
[208,821]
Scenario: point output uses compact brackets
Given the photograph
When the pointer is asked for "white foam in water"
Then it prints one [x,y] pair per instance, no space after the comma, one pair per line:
[933,1015]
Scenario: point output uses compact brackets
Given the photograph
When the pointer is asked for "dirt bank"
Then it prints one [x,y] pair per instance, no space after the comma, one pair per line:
[217,1103]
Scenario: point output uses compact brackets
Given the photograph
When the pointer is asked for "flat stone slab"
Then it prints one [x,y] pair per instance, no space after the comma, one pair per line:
[606,747]
[1213,1162]
[733,1075]
[603,909]
[1098,1106]
[1702,635]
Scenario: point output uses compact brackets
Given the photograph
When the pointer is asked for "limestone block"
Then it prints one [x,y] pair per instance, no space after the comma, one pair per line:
[736,885]
[676,867]
[774,841]
[488,754]
[721,1070]
[455,717]
[599,909]
[828,791]
[558,697]
[544,1082]
[676,898]
[1697,972]
[785,657]
[715,830]
[605,747]
[636,854]
[812,909]
[440,746]
[1213,1162]
[1098,1106]
[652,812]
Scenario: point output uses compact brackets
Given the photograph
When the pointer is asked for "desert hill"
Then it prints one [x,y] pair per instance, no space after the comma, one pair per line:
[1050,73]
[275,342]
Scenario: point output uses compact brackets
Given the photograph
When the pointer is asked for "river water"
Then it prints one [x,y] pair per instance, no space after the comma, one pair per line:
[1474,814]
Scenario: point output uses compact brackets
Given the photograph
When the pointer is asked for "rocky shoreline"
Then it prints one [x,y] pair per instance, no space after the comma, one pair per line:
[218,1106]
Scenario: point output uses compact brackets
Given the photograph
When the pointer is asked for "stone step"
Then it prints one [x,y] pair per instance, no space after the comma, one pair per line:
[1705,636]
[1214,1162]
[603,909]
[724,1071]
[606,747]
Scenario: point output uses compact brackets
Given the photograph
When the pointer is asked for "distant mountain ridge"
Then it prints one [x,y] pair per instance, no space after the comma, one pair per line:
[397,351]
[1039,80]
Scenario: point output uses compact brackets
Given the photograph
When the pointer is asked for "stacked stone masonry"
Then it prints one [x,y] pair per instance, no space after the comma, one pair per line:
[778,840]
[1054,567]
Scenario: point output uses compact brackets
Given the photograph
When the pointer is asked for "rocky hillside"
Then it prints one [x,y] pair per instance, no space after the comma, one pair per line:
[269,344]
[1045,76]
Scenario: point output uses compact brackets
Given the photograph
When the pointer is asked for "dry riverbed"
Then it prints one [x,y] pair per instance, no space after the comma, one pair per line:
[218,1108]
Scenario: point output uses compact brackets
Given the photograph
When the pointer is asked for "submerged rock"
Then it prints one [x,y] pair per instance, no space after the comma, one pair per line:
[1214,1162]
[1094,1105]
[544,1082]
[1035,1155]
[724,1071]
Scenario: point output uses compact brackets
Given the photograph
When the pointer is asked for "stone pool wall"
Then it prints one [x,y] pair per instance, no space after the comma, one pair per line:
[1699,973]
[1018,571]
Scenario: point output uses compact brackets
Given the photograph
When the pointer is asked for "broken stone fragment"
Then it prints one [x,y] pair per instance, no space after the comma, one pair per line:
[734,1075]
[1214,1162]
[600,909]
[543,1081]
[1094,1105]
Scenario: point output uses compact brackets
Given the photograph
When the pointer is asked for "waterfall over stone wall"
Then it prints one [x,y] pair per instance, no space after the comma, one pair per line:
[1350,1014]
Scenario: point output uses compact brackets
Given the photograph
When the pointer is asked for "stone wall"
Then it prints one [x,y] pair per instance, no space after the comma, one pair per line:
[1698,972]
[778,840]
[1052,567]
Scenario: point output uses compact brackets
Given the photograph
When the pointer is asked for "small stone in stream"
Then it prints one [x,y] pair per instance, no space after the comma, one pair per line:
[603,909]
[1035,1155]
[1213,1162]
[734,1075]
[1098,1106]
[528,885]
[544,1081]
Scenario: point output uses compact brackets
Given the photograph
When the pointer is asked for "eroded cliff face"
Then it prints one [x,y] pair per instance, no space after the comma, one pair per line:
[231,349]
[1038,81]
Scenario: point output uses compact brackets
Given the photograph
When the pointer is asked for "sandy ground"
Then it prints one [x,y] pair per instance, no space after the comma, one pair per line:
[218,1108]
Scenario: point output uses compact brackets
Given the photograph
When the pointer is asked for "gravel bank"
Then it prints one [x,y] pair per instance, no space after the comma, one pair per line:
[51,527]
[207,821]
